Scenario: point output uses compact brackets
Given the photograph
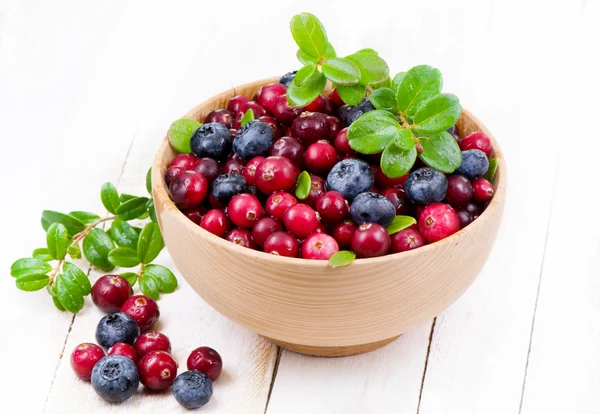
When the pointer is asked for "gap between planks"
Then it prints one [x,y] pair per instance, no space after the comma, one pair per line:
[426,361]
[273,377]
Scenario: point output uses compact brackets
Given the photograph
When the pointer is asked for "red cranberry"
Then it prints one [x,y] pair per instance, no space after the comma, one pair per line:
[220,116]
[250,169]
[418,211]
[235,103]
[300,220]
[172,173]
[278,203]
[216,222]
[321,228]
[474,209]
[185,161]
[370,240]
[335,97]
[264,228]
[318,105]
[343,232]
[83,359]
[335,126]
[244,210]
[460,190]
[207,360]
[233,166]
[143,310]
[267,95]
[214,204]
[195,214]
[476,140]
[241,237]
[341,142]
[319,246]
[320,157]
[283,112]
[110,292]
[332,206]
[209,168]
[188,189]
[126,350]
[256,108]
[407,239]
[317,188]
[310,127]
[383,181]
[330,107]
[272,122]
[281,244]
[483,190]
[290,148]
[404,207]
[152,341]
[438,221]
[464,218]
[276,174]
[158,370]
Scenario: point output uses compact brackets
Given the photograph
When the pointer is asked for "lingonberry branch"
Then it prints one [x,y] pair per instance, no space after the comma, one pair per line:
[81,235]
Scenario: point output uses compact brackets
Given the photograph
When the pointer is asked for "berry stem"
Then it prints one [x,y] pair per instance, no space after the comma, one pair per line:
[81,235]
[55,271]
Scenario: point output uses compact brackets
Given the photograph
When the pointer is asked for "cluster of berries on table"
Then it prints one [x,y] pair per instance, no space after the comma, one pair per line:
[129,352]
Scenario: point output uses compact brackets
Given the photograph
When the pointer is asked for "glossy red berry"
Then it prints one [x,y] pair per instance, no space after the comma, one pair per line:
[310,127]
[483,190]
[250,169]
[335,126]
[220,116]
[335,97]
[157,370]
[233,166]
[342,145]
[189,189]
[272,122]
[464,218]
[256,108]
[383,181]
[317,188]
[152,341]
[319,246]
[235,103]
[126,350]
[278,203]
[321,228]
[263,228]
[110,292]
[460,190]
[216,222]
[244,210]
[370,240]
[332,206]
[83,359]
[318,105]
[207,360]
[476,140]
[407,239]
[143,310]
[437,222]
[241,237]
[209,168]
[281,244]
[404,207]
[300,220]
[195,214]
[276,174]
[283,112]
[290,148]
[185,161]
[172,173]
[267,95]
[343,232]
[474,209]
[320,157]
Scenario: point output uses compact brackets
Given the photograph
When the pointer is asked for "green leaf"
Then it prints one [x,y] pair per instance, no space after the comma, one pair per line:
[152,211]
[341,258]
[299,96]
[247,117]
[110,197]
[341,71]
[77,277]
[149,287]
[72,224]
[164,278]
[417,85]
[150,243]
[387,83]
[491,172]
[437,114]
[96,246]
[123,257]
[180,134]
[369,50]
[397,80]
[404,140]
[132,209]
[57,239]
[57,303]
[384,99]
[33,282]
[309,34]
[373,69]
[400,223]
[130,277]
[373,131]
[85,216]
[304,74]
[303,185]
[74,251]
[123,234]
[123,198]
[396,162]
[42,254]
[351,94]
[149,181]
[330,52]
[29,266]
[441,152]
[69,294]
[306,59]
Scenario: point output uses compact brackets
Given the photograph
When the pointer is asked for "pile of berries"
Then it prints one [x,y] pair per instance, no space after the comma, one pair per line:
[135,354]
[240,181]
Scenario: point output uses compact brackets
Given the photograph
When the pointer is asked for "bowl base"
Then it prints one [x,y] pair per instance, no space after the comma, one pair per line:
[333,351]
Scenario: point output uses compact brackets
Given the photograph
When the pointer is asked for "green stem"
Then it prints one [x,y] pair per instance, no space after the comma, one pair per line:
[55,271]
[81,235]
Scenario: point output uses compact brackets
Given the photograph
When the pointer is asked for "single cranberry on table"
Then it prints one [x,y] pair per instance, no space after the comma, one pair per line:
[220,116]
[278,203]
[343,232]
[438,221]
[249,171]
[476,140]
[332,206]
[185,161]
[244,210]
[83,359]
[290,148]
[317,188]
[464,217]
[216,222]
[370,240]
[276,174]
[157,370]
[263,228]
[172,173]
[342,145]
[272,122]
[110,292]
[207,360]
[283,112]
[235,103]
[281,244]
[407,239]
[267,95]
[143,309]
[319,246]
[188,189]
[233,166]
[241,237]
[483,190]
[320,157]
[209,168]
[300,220]
[404,207]
[126,350]
[310,127]
[460,191]
[152,341]
[335,126]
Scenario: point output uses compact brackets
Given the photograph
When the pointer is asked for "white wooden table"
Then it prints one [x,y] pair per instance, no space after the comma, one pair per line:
[87,90]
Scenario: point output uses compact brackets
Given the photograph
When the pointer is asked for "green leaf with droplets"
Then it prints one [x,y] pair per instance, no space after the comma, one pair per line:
[33,282]
[437,114]
[373,131]
[440,152]
[341,71]
[69,294]
[149,287]
[110,197]
[123,234]
[351,94]
[29,266]
[77,277]
[384,99]
[396,162]
[417,85]
[150,243]
[96,246]
[123,257]
[164,278]
[57,239]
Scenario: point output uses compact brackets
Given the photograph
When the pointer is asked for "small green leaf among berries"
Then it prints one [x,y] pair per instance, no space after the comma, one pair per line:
[351,94]
[491,172]
[311,87]
[341,258]
[373,132]
[179,135]
[400,223]
[396,162]
[384,99]
[341,71]
[441,152]
[417,85]
[373,69]
[303,185]
[247,117]
[437,114]
[130,277]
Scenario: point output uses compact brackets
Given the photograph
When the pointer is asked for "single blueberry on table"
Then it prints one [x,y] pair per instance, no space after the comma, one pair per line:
[253,139]
[116,327]
[348,114]
[372,208]
[350,178]
[228,185]
[192,389]
[115,378]
[211,141]
[426,186]
[474,164]
[287,78]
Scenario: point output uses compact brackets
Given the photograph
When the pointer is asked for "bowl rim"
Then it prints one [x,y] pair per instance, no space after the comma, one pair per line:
[160,192]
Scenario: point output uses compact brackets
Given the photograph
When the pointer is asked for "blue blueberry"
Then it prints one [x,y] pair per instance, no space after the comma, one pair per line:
[287,78]
[115,378]
[116,327]
[474,164]
[372,208]
[211,141]
[253,139]
[192,389]
[451,129]
[350,178]
[228,185]
[348,114]
[426,186]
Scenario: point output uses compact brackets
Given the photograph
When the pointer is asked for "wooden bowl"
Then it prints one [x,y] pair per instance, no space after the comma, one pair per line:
[305,306]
